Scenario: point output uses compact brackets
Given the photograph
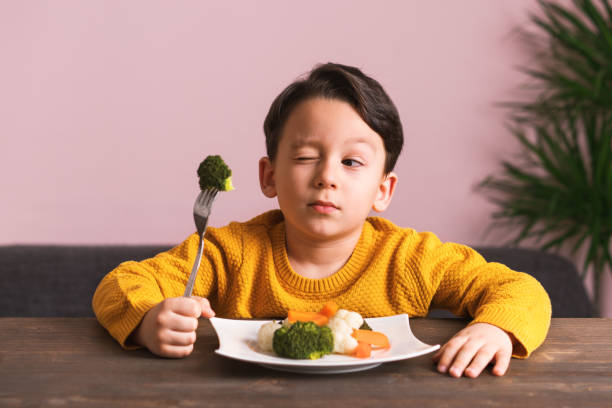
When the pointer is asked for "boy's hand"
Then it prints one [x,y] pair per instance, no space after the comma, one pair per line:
[472,349]
[168,329]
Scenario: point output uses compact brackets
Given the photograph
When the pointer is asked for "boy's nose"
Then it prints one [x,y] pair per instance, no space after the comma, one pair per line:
[325,177]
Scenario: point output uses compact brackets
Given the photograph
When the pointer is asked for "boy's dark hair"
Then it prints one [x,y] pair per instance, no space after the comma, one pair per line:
[349,84]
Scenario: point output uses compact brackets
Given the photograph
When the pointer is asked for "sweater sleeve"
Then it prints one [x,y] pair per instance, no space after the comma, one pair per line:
[462,281]
[129,291]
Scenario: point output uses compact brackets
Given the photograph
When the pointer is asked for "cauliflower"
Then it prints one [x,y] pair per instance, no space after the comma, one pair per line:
[265,336]
[342,325]
[353,319]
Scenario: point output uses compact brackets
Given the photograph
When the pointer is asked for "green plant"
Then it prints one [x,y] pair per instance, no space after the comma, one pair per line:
[560,191]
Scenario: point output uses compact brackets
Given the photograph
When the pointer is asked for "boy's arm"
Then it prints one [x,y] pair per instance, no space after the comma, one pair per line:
[460,280]
[128,292]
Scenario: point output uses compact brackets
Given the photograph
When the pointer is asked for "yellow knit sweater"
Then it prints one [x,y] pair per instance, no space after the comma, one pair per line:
[245,273]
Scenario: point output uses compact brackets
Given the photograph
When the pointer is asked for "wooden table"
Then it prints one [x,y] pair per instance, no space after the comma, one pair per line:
[74,362]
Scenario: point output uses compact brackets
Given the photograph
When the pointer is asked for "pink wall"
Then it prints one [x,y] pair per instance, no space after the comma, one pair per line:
[108,107]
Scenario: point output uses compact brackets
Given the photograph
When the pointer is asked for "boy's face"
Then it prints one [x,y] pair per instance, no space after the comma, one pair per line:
[328,171]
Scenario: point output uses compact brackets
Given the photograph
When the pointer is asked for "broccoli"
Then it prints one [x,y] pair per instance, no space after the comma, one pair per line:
[214,173]
[303,340]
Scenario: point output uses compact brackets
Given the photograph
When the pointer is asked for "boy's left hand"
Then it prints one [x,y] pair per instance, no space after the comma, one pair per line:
[473,348]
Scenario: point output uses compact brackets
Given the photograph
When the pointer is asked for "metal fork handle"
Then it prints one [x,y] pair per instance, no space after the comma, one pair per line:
[194,269]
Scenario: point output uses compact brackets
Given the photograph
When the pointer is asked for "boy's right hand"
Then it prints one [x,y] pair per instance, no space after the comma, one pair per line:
[168,329]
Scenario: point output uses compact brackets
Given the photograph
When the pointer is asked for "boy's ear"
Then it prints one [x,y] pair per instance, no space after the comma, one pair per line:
[266,177]
[385,192]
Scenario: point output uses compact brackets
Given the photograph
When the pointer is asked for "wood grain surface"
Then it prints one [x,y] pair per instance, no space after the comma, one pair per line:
[74,362]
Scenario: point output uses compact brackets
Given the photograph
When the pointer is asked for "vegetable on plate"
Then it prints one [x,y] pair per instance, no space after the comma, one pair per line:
[311,335]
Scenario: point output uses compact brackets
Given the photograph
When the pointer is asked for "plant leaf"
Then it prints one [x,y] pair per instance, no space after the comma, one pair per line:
[591,11]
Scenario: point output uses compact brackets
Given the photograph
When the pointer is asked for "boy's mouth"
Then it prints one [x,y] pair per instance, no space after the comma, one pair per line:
[323,207]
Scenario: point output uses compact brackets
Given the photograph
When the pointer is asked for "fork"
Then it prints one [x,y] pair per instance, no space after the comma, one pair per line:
[201,212]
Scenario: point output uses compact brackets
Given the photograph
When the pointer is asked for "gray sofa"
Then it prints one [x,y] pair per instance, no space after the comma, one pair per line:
[60,281]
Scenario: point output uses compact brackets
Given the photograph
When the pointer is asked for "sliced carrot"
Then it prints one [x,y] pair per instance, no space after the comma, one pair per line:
[363,350]
[299,316]
[371,337]
[329,309]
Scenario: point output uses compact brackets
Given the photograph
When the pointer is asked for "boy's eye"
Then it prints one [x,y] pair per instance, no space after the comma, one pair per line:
[351,163]
[305,158]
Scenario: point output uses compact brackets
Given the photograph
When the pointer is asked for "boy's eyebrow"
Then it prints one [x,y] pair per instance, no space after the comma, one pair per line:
[299,143]
[360,139]
[354,140]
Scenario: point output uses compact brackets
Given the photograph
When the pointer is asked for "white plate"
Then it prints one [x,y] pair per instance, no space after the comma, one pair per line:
[238,340]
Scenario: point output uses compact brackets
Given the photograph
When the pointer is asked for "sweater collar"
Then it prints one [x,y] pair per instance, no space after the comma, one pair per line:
[349,273]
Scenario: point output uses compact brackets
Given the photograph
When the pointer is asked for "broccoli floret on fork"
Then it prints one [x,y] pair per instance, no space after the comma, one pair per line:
[214,173]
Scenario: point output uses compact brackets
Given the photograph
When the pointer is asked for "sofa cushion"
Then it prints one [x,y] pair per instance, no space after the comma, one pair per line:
[557,274]
[49,280]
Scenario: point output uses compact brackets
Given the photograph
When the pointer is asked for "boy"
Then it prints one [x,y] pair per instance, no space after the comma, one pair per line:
[332,141]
